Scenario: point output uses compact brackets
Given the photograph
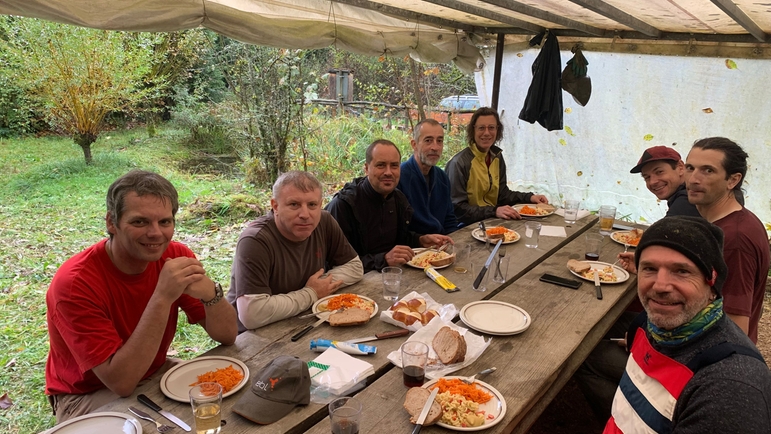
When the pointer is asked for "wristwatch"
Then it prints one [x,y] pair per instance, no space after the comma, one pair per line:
[217,295]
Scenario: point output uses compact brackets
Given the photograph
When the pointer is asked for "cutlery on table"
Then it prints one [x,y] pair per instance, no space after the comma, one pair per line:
[498,277]
[324,316]
[626,247]
[471,379]
[150,403]
[597,284]
[424,412]
[384,335]
[142,415]
[489,261]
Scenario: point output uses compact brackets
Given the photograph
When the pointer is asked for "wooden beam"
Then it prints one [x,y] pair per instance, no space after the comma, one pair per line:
[412,16]
[733,11]
[615,14]
[473,10]
[622,36]
[546,16]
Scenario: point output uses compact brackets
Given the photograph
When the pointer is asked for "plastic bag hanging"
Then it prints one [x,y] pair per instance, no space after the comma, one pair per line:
[574,79]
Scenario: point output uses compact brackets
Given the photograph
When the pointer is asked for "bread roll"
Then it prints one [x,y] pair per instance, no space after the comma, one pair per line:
[417,305]
[397,305]
[428,316]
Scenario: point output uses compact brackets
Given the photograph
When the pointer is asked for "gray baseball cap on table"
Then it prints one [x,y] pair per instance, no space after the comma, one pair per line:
[278,388]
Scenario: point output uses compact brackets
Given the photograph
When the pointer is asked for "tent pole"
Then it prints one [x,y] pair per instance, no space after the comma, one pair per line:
[497,71]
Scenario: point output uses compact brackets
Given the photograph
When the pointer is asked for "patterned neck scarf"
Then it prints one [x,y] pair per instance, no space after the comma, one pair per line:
[696,326]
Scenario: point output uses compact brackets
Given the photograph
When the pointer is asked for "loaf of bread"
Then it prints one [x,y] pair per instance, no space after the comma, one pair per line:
[449,346]
[579,266]
[414,402]
[349,317]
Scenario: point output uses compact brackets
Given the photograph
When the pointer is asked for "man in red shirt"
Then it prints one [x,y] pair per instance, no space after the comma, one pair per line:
[112,308]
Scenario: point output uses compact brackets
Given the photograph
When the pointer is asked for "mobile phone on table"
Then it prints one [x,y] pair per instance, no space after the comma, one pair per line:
[561,281]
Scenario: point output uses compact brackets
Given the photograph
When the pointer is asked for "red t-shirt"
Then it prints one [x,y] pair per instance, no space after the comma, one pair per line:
[93,308]
[746,252]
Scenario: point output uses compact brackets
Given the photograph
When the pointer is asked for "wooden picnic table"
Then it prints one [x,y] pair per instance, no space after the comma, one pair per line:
[532,366]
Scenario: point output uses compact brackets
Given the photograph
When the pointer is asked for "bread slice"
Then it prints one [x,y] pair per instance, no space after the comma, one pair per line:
[349,317]
[414,402]
[449,346]
[579,266]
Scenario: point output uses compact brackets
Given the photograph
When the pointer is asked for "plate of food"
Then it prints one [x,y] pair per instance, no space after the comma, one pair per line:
[535,210]
[609,273]
[495,233]
[430,257]
[345,302]
[467,407]
[232,374]
[627,238]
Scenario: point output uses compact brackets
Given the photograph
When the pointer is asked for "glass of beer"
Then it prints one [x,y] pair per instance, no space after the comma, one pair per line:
[607,217]
[206,399]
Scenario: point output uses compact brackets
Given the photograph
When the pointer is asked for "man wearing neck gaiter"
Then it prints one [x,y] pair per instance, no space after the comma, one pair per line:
[691,369]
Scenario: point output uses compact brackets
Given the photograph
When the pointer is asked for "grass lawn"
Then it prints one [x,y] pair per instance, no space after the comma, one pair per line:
[51,207]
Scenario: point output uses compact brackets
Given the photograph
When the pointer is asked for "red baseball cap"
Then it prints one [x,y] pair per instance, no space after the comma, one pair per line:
[654,154]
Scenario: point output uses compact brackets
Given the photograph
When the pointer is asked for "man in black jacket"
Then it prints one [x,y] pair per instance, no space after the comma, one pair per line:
[374,215]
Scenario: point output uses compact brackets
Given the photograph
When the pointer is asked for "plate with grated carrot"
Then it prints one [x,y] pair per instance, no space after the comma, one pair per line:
[345,301]
[468,407]
[535,210]
[230,373]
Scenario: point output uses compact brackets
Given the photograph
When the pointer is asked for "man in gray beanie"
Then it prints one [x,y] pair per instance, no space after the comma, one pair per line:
[691,369]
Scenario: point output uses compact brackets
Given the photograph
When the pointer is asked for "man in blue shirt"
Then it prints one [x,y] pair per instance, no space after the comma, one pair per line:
[426,186]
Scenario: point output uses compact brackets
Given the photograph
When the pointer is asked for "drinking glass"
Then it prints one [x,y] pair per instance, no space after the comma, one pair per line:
[344,413]
[500,269]
[475,269]
[571,211]
[414,359]
[532,232]
[392,280]
[593,246]
[462,257]
[607,216]
[206,400]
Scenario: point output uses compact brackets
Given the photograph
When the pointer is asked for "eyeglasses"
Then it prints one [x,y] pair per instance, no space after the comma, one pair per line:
[491,128]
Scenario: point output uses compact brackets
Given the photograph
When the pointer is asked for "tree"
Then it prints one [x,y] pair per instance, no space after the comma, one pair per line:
[80,75]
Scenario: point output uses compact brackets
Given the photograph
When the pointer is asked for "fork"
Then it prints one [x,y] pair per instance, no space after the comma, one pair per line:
[142,415]
[471,379]
[626,247]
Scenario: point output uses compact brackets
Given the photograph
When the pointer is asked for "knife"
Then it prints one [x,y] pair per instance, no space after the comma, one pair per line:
[384,335]
[597,284]
[149,402]
[424,412]
[622,227]
[301,333]
[482,272]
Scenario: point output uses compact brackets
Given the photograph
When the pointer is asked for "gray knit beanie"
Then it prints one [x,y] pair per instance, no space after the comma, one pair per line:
[694,237]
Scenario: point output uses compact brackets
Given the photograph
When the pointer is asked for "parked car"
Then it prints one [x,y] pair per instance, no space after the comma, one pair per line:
[460,103]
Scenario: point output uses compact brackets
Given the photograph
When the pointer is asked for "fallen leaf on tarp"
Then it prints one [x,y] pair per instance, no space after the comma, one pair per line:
[5,401]
[563,142]
[707,110]
[730,64]
[569,131]
[648,137]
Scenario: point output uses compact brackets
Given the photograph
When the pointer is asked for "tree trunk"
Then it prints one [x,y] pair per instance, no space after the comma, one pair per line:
[416,90]
[85,141]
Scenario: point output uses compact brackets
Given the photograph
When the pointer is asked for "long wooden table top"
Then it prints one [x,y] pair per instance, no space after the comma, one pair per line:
[529,365]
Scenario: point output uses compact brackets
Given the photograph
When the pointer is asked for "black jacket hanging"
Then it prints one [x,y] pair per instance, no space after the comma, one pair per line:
[544,98]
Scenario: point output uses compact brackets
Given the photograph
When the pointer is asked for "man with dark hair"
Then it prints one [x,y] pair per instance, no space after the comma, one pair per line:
[715,170]
[112,308]
[375,215]
[425,185]
[279,265]
[664,173]
[690,369]
[478,174]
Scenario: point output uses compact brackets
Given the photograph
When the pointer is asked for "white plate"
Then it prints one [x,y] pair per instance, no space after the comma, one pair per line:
[621,274]
[480,235]
[417,252]
[176,382]
[315,307]
[614,237]
[99,423]
[548,208]
[495,317]
[495,406]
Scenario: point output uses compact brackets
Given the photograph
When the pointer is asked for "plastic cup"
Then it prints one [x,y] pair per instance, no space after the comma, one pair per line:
[607,217]
[392,280]
[532,232]
[593,246]
[206,400]
[414,359]
[345,413]
[571,211]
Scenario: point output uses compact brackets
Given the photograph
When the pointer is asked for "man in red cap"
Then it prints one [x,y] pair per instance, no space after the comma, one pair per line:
[664,173]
